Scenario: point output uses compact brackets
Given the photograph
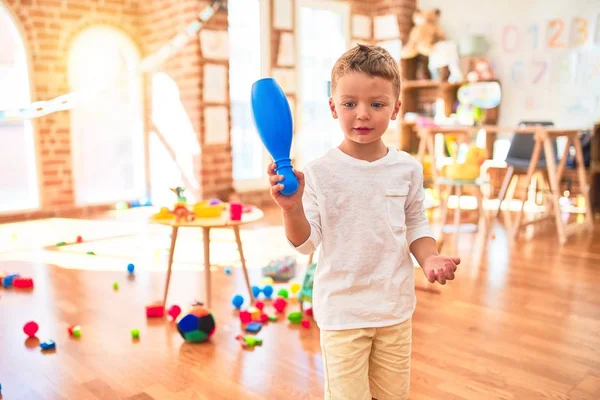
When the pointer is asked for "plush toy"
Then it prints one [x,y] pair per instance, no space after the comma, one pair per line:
[480,70]
[425,33]
[470,169]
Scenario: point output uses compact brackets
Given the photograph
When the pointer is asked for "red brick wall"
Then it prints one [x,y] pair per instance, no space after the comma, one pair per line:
[48,27]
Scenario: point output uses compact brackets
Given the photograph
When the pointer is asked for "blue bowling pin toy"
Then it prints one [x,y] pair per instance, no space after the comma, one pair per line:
[273,120]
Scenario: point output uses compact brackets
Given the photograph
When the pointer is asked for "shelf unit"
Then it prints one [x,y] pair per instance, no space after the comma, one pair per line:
[416,94]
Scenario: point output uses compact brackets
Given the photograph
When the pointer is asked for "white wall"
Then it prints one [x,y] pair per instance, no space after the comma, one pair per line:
[546,54]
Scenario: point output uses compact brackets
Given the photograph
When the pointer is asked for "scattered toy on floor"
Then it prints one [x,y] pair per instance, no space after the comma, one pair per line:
[237,301]
[31,328]
[174,311]
[130,268]
[254,327]
[75,331]
[197,325]
[155,310]
[135,334]
[48,345]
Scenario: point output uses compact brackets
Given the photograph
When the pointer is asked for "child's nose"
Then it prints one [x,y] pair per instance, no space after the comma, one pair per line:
[362,113]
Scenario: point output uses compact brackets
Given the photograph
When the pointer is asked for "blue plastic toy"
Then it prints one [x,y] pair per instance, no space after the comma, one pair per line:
[237,301]
[273,120]
[130,268]
[48,345]
[253,327]
[267,291]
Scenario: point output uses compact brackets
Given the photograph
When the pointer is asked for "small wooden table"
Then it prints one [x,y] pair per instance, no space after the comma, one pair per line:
[543,137]
[207,224]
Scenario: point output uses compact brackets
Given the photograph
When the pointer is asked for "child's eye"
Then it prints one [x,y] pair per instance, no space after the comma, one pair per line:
[377,105]
[349,104]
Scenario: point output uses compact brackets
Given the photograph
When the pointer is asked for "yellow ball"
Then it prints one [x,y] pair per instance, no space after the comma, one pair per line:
[295,287]
[267,281]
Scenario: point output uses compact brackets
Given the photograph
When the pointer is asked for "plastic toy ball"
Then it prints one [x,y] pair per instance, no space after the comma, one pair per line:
[197,325]
[116,286]
[268,291]
[237,301]
[31,328]
[283,293]
[79,239]
[260,305]
[228,271]
[295,287]
[267,281]
[135,333]
[130,268]
[255,291]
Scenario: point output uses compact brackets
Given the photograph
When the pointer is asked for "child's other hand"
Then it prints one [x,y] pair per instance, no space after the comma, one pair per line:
[440,268]
[285,202]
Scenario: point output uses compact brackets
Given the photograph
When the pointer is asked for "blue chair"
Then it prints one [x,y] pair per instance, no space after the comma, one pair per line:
[519,156]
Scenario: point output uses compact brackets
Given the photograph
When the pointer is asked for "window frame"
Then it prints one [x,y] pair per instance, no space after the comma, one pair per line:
[249,185]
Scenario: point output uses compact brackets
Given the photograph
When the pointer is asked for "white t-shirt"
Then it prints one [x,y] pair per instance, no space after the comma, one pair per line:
[364,215]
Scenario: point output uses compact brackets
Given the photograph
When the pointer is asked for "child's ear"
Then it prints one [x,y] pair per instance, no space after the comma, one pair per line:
[332,108]
[396,109]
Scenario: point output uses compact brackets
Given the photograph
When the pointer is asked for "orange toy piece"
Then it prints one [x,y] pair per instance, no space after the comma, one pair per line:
[182,213]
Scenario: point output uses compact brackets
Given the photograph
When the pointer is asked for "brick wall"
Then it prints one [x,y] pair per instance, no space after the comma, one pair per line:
[48,27]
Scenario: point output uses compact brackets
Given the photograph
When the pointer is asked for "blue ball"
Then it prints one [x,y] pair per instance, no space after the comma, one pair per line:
[130,268]
[255,291]
[228,271]
[268,291]
[237,301]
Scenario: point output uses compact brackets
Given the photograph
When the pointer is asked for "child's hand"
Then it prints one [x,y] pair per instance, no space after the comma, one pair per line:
[285,202]
[440,268]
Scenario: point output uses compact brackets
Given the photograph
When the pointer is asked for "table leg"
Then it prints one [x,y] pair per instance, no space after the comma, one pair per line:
[583,184]
[238,239]
[510,170]
[458,192]
[207,283]
[170,265]
[554,188]
[535,157]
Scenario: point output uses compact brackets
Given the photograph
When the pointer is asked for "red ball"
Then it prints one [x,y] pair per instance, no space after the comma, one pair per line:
[31,328]
[79,239]
[306,323]
[260,305]
[279,304]
[174,311]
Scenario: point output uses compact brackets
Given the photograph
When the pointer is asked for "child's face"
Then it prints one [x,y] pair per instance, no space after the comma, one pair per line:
[365,105]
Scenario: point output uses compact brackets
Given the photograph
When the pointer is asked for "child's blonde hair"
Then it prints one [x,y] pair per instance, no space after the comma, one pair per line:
[367,59]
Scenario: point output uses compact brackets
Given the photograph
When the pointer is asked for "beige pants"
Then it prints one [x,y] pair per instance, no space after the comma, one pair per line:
[364,363]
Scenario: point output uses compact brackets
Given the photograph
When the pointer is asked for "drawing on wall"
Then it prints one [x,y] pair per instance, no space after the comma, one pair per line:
[361,26]
[215,83]
[216,123]
[214,44]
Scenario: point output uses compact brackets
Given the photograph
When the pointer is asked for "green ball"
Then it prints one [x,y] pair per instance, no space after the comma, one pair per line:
[295,317]
[135,333]
[283,293]
[116,285]
[77,332]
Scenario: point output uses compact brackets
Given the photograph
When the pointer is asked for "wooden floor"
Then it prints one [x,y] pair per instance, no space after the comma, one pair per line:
[525,324]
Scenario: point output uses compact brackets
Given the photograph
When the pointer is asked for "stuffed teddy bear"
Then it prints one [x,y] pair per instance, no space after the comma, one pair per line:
[424,34]
[480,70]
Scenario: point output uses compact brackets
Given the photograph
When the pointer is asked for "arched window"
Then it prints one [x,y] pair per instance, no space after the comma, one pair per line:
[18,170]
[107,125]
